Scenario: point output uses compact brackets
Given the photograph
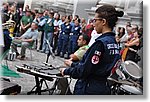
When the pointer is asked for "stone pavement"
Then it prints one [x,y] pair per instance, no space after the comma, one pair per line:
[28,81]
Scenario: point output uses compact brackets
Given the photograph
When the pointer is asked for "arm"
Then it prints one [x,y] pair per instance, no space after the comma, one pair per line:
[74,57]
[134,42]
[29,23]
[27,26]
[34,37]
[22,26]
[27,40]
[86,65]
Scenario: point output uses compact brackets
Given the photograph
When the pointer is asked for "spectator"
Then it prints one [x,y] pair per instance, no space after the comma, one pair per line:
[41,20]
[83,25]
[118,31]
[132,45]
[128,25]
[48,32]
[57,24]
[26,22]
[5,7]
[27,8]
[120,36]
[25,40]
[5,15]
[76,17]
[94,36]
[89,28]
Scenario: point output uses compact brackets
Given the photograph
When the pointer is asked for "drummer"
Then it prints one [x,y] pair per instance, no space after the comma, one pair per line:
[94,68]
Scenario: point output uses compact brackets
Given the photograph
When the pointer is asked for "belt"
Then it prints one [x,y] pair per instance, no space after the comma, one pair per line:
[65,33]
[73,34]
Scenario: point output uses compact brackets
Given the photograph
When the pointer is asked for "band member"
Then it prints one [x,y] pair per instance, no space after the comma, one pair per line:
[73,45]
[64,37]
[96,65]
[83,41]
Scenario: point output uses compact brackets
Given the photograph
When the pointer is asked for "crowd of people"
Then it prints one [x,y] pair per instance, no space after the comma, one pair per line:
[62,31]
[94,44]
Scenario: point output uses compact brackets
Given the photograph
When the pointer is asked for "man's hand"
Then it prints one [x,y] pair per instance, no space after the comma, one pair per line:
[68,62]
[71,56]
[23,28]
[62,71]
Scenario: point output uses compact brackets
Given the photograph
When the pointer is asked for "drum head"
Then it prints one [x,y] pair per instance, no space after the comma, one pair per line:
[132,89]
[133,69]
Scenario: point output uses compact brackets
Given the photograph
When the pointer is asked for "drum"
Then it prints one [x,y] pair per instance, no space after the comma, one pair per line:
[129,90]
[116,76]
[131,70]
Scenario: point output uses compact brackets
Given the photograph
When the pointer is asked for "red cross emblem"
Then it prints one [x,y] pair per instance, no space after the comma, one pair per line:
[95,59]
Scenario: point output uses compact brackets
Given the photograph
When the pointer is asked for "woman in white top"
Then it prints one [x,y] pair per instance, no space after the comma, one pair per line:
[94,35]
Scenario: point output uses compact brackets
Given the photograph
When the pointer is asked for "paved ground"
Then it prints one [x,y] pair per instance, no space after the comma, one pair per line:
[27,81]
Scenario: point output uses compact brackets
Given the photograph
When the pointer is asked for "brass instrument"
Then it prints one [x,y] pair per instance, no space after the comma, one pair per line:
[10,25]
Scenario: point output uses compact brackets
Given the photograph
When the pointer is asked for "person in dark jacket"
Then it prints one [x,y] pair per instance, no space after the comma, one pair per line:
[96,65]
[64,37]
[73,45]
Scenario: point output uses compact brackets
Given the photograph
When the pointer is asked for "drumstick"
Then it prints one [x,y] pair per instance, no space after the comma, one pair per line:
[121,82]
[136,84]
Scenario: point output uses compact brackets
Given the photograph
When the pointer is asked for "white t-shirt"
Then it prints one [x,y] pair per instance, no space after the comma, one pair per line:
[57,23]
[94,35]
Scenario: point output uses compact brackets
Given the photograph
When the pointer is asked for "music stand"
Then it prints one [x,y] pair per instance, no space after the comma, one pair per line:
[50,51]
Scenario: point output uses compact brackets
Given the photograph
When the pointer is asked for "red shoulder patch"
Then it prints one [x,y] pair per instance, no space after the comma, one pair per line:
[95,59]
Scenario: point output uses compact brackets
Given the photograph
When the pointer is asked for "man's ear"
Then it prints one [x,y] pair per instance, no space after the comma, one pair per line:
[84,42]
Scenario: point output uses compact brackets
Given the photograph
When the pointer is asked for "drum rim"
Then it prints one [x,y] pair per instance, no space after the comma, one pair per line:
[131,87]
[137,77]
[122,74]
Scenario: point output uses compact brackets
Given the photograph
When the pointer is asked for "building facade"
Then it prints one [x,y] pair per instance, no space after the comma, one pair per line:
[133,10]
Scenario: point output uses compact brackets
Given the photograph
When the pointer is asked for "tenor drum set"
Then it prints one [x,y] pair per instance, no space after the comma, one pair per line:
[127,79]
